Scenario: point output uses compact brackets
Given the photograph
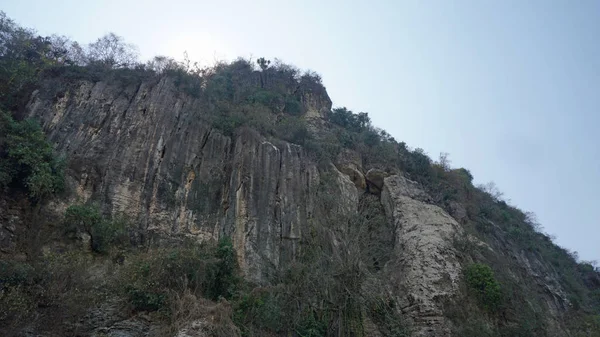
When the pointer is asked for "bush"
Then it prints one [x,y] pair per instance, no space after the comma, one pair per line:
[222,275]
[56,281]
[292,106]
[267,98]
[255,116]
[259,311]
[480,279]
[15,273]
[152,279]
[322,292]
[293,130]
[349,120]
[27,160]
[104,233]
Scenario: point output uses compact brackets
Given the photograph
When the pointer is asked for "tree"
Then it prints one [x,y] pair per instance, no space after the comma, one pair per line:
[27,158]
[24,55]
[444,162]
[263,63]
[162,64]
[112,51]
[492,190]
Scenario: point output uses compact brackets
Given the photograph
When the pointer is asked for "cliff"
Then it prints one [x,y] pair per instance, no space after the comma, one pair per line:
[253,208]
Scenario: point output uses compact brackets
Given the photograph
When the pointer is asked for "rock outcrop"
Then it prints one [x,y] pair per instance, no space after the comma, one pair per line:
[374,178]
[424,270]
[148,151]
[145,150]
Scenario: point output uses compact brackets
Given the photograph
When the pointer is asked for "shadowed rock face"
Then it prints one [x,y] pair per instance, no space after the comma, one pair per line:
[145,150]
[425,269]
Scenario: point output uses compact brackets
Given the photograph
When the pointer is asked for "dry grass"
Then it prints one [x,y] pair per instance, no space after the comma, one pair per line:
[196,317]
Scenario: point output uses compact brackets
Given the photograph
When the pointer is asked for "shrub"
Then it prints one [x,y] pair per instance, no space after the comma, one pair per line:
[55,281]
[252,115]
[293,130]
[104,233]
[292,106]
[480,279]
[15,273]
[259,311]
[151,276]
[267,98]
[222,277]
[152,279]
[349,120]
[27,159]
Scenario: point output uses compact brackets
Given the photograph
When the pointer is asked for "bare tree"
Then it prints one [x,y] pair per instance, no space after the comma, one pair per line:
[491,189]
[532,220]
[161,64]
[112,51]
[444,162]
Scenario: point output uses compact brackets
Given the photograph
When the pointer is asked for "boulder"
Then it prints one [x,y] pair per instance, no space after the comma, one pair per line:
[375,179]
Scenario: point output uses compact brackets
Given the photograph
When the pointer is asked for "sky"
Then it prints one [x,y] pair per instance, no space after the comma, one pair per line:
[510,89]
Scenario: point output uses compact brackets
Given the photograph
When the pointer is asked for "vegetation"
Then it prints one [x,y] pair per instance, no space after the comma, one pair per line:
[27,160]
[322,292]
[103,233]
[480,279]
[52,289]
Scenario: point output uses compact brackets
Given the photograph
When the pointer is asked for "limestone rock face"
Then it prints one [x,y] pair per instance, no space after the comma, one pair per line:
[268,202]
[349,163]
[357,178]
[145,150]
[316,101]
[425,269]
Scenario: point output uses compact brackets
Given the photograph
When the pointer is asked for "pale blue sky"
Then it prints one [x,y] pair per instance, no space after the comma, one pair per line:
[511,89]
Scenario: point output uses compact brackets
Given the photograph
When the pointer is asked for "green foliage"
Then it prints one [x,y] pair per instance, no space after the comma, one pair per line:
[222,278]
[267,98]
[55,281]
[254,116]
[151,279]
[259,311]
[311,326]
[480,279]
[104,233]
[15,273]
[293,130]
[28,160]
[22,56]
[349,120]
[322,292]
[292,106]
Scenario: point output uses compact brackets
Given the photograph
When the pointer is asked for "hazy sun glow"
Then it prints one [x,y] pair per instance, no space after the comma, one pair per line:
[200,47]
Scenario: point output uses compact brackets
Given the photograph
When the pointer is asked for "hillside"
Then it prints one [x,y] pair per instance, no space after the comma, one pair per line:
[167,199]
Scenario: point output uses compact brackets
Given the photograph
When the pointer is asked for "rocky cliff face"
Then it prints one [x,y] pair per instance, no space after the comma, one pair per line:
[146,150]
[425,270]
